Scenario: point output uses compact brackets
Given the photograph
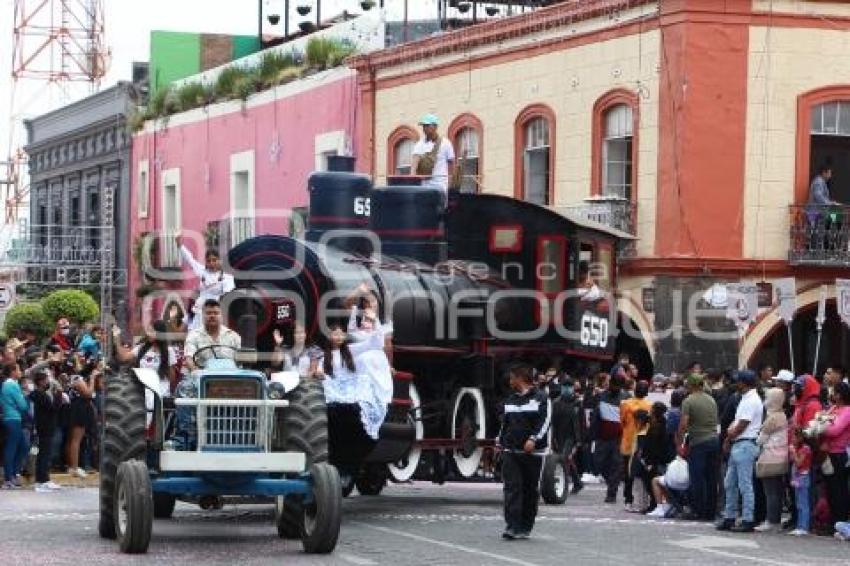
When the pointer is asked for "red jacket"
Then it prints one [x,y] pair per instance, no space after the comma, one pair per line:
[808,405]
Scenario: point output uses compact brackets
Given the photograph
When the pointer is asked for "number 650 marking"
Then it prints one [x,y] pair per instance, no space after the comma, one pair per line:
[594,331]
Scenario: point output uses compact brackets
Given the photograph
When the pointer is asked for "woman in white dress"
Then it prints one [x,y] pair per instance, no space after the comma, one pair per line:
[364,324]
[338,366]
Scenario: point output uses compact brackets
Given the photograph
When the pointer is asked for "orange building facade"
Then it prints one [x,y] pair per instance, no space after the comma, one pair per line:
[695,125]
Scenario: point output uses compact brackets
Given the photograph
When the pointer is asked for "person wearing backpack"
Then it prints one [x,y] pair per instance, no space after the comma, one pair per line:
[433,155]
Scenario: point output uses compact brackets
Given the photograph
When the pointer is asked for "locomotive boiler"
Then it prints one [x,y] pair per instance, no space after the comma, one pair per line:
[471,282]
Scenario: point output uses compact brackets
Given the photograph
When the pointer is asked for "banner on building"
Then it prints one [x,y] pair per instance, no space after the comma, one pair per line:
[742,307]
[786,298]
[842,299]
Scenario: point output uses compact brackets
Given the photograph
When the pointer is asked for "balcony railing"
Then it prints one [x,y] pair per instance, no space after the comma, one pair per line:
[614,212]
[820,235]
[42,245]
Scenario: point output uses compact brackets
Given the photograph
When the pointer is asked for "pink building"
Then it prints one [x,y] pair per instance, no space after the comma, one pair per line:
[236,169]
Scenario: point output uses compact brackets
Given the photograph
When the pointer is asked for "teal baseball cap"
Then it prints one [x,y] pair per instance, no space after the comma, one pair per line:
[429,120]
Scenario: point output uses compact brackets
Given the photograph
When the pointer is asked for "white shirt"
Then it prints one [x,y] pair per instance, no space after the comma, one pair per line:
[440,175]
[211,285]
[750,409]
[199,338]
[151,360]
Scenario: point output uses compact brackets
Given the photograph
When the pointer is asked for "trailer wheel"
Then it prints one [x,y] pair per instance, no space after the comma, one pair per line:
[301,427]
[371,481]
[468,425]
[123,439]
[133,507]
[403,470]
[322,517]
[554,485]
[163,505]
[347,481]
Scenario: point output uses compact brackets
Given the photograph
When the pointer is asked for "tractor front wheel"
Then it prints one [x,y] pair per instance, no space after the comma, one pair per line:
[323,515]
[133,507]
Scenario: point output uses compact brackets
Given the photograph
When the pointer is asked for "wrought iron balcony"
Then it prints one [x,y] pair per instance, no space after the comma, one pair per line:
[820,235]
[612,211]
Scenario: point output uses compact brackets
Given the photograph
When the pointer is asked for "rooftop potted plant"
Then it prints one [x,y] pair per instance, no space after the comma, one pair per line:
[303,9]
[463,7]
[367,4]
[492,10]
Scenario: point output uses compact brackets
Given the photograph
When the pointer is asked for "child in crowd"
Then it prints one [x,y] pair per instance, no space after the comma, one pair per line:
[801,465]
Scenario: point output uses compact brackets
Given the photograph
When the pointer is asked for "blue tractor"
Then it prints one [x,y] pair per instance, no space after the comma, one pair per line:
[227,432]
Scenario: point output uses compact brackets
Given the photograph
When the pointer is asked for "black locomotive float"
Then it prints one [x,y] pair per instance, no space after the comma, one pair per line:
[471,283]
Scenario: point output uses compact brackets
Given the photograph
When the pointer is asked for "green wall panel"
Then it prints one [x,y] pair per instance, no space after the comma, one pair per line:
[174,55]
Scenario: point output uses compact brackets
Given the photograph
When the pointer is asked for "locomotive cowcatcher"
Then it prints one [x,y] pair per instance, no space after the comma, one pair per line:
[471,282]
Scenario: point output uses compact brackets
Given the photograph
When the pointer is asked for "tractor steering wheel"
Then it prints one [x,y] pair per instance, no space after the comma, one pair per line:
[196,360]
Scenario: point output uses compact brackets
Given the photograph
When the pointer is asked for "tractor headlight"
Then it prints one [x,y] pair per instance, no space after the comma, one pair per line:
[187,389]
[276,391]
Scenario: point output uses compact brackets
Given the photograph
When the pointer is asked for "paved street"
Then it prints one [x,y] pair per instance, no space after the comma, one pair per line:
[415,524]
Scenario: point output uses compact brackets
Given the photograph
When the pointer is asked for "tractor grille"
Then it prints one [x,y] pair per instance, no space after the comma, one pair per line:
[232,427]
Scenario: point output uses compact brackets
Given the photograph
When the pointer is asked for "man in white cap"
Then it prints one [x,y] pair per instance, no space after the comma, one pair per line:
[433,155]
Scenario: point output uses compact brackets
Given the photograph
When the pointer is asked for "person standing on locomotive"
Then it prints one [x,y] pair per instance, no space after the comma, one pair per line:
[213,282]
[524,441]
[213,333]
[433,155]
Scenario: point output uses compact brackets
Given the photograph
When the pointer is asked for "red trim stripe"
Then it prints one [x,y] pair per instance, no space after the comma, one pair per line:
[338,220]
[412,232]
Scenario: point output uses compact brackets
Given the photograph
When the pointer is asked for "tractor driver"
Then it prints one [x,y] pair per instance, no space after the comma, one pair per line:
[213,332]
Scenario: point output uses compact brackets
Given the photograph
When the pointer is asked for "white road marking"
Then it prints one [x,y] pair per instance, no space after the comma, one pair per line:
[711,545]
[445,544]
[357,560]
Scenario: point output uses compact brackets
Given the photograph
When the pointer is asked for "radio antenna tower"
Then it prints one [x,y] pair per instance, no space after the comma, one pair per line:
[55,43]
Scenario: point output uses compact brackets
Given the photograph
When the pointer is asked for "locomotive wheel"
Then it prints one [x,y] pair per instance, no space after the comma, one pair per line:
[468,425]
[554,484]
[303,427]
[403,470]
[123,439]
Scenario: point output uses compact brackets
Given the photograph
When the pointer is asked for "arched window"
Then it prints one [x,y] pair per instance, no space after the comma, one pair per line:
[400,149]
[614,152]
[617,152]
[823,137]
[466,133]
[403,151]
[534,162]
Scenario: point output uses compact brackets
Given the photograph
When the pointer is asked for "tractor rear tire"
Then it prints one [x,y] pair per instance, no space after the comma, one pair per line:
[304,428]
[322,517]
[554,484]
[123,439]
[163,505]
[133,507]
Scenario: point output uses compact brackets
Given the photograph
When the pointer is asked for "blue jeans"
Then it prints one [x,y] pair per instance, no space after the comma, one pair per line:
[801,498]
[15,450]
[703,465]
[739,479]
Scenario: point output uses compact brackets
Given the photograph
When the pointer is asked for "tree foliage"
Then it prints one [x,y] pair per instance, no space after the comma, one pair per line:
[74,304]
